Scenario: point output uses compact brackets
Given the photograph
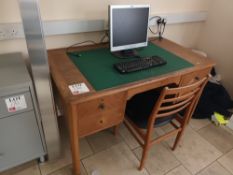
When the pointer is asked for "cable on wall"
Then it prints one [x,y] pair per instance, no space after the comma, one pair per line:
[161,24]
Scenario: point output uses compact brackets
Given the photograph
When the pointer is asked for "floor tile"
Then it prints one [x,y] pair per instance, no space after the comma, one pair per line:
[30,168]
[218,137]
[227,161]
[85,149]
[128,137]
[116,160]
[167,128]
[197,124]
[214,169]
[65,158]
[68,171]
[158,132]
[53,165]
[194,152]
[160,159]
[180,170]
[103,140]
[227,129]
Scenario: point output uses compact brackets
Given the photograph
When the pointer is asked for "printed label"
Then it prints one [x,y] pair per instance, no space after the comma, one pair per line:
[78,88]
[16,103]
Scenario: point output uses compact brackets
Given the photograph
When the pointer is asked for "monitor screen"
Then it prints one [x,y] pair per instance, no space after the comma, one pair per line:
[128,26]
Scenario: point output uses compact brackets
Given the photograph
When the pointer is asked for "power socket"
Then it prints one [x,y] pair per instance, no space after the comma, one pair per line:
[11,31]
[8,33]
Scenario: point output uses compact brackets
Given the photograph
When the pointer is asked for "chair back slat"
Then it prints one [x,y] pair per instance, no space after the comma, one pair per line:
[174,105]
[187,88]
[181,97]
[175,100]
[172,112]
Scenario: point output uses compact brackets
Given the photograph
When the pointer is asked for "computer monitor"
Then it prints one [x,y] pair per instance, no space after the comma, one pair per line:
[128,28]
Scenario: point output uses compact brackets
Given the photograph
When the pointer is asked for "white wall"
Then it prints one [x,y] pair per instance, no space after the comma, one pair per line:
[86,9]
[185,34]
[217,39]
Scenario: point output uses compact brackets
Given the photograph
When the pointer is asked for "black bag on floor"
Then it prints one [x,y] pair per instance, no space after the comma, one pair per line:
[214,98]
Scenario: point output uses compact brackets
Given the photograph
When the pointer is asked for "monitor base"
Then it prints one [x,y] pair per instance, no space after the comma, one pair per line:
[126,54]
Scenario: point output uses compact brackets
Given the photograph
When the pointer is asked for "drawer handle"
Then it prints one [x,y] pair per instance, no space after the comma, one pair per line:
[101,106]
[197,78]
[101,121]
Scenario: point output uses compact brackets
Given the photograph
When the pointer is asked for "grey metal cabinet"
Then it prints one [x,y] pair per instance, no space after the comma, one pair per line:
[21,134]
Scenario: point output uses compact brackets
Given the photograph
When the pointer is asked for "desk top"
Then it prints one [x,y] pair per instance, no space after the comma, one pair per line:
[65,73]
[97,66]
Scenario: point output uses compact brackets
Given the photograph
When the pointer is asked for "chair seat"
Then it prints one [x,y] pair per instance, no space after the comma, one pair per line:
[139,108]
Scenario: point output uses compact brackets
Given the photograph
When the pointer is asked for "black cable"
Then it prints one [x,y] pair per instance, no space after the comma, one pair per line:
[153,32]
[89,41]
[161,24]
[102,39]
[104,36]
[76,44]
[162,28]
[164,25]
[154,17]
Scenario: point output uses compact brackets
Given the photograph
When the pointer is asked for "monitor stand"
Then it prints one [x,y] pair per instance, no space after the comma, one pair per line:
[126,54]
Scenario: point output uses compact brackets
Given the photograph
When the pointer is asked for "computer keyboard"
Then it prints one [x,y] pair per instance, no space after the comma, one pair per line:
[139,64]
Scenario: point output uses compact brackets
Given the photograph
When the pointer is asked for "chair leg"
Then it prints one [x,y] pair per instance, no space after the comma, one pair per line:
[116,129]
[178,137]
[189,119]
[144,156]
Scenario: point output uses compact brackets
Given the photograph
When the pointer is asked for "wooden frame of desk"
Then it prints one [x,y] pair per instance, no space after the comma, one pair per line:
[94,111]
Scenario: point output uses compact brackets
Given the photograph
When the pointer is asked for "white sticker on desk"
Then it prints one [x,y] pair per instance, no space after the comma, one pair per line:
[78,88]
[15,103]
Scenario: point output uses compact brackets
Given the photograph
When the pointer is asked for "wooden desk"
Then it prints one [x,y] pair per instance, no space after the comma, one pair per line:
[94,111]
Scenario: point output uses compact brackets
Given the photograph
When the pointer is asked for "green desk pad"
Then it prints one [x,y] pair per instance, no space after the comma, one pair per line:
[97,66]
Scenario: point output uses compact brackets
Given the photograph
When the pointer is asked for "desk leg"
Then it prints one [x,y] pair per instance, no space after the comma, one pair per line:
[74,139]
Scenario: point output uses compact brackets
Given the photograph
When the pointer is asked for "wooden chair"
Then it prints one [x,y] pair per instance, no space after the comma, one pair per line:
[173,103]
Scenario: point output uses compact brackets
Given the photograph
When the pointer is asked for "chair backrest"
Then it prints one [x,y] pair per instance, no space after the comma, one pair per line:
[174,100]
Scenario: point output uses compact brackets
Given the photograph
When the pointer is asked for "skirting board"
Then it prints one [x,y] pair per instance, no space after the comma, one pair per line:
[60,27]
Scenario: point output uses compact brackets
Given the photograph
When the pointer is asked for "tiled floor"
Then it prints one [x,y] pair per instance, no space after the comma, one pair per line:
[204,150]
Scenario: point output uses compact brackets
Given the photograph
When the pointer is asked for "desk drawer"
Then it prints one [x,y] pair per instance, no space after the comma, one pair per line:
[98,114]
[194,76]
